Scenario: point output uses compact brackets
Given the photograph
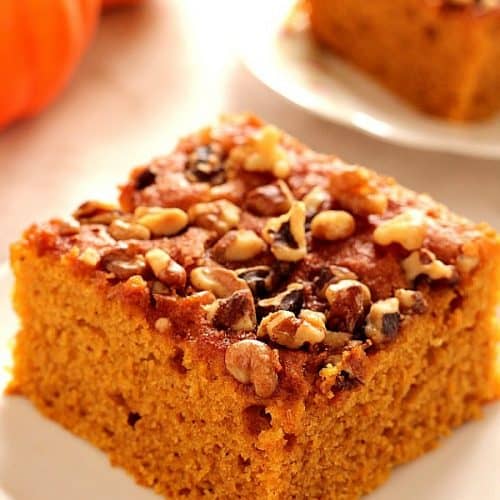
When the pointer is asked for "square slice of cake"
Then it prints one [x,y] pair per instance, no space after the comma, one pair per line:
[257,320]
[441,55]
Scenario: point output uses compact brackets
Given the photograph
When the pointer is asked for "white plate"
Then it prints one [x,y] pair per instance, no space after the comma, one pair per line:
[41,461]
[293,66]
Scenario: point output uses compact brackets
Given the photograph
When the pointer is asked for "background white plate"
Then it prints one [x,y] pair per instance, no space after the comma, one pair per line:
[41,461]
[293,66]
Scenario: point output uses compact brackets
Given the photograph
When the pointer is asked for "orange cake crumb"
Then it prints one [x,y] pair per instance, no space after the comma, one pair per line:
[258,320]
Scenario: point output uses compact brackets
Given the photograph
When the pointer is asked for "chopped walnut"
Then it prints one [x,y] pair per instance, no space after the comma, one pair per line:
[287,235]
[285,328]
[123,230]
[162,221]
[269,200]
[236,312]
[260,279]
[166,269]
[333,225]
[218,215]
[96,212]
[355,189]
[408,229]
[348,300]
[263,153]
[254,362]
[291,299]
[205,164]
[331,275]
[122,266]
[238,245]
[220,281]
[316,200]
[411,301]
[425,262]
[90,257]
[383,320]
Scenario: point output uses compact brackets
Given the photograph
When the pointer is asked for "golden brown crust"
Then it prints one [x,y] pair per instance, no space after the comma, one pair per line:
[271,187]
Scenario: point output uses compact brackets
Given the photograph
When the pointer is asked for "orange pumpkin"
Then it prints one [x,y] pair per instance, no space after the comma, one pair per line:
[41,42]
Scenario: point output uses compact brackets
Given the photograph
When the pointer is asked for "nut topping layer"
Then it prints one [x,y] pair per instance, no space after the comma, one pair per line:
[248,243]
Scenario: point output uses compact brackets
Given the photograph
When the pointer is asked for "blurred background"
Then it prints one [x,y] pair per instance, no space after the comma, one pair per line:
[155,72]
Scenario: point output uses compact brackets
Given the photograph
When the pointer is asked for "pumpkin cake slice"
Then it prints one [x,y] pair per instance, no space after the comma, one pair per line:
[440,55]
[257,320]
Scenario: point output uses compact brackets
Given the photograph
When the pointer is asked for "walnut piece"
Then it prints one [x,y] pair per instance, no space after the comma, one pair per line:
[316,200]
[220,281]
[166,269]
[219,216]
[162,221]
[123,266]
[254,362]
[383,320]
[291,299]
[205,164]
[96,212]
[333,225]
[408,229]
[287,235]
[269,200]
[330,275]
[348,300]
[356,190]
[123,230]
[424,262]
[236,312]
[264,153]
[286,329]
[238,245]
[411,301]
[260,279]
